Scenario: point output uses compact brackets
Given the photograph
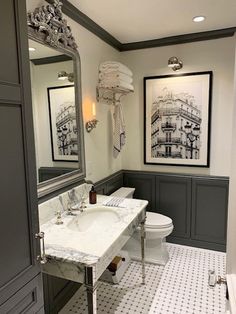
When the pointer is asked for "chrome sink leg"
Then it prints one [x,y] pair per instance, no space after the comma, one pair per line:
[91,288]
[143,236]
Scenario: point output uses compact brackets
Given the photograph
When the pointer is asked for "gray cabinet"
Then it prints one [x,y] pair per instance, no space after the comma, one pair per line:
[173,199]
[26,300]
[20,282]
[209,211]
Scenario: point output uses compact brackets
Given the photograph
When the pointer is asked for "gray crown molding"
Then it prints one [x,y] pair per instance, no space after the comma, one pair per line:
[82,19]
[180,39]
[49,60]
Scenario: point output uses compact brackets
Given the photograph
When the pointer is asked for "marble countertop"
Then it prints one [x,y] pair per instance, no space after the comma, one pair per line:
[88,247]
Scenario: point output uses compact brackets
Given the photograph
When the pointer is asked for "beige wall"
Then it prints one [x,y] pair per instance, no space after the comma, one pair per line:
[214,55]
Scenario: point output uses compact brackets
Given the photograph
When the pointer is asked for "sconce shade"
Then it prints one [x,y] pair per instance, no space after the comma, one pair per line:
[62,75]
[175,63]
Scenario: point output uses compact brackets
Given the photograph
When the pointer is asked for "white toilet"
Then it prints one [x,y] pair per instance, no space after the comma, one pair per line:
[158,227]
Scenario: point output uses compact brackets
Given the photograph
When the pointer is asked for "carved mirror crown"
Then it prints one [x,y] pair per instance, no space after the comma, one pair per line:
[49,20]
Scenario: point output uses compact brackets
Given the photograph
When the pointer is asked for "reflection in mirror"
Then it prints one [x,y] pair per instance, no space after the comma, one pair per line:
[54,111]
[57,102]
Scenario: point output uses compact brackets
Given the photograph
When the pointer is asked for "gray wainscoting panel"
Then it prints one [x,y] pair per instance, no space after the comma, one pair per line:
[197,205]
[209,210]
[173,198]
[144,185]
[110,184]
[47,173]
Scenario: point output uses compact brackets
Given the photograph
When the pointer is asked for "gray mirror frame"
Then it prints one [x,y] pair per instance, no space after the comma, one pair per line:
[61,39]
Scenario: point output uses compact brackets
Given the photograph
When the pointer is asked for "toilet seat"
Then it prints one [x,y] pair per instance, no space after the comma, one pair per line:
[157,221]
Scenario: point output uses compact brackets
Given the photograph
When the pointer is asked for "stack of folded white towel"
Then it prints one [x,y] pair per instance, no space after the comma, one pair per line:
[114,74]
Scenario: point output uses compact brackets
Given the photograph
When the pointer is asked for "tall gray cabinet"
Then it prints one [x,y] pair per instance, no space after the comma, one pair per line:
[20,277]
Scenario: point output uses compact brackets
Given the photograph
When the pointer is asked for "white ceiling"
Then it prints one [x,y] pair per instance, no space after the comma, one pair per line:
[138,20]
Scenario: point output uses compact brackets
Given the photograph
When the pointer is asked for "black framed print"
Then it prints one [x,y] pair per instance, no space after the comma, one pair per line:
[63,124]
[177,116]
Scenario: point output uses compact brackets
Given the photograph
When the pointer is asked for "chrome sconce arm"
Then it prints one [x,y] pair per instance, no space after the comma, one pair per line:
[90,125]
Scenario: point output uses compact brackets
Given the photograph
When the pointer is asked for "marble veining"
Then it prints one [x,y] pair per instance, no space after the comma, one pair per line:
[69,250]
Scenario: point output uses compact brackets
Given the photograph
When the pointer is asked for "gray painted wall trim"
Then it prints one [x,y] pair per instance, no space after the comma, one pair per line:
[110,177]
[199,176]
[81,18]
[180,39]
[49,60]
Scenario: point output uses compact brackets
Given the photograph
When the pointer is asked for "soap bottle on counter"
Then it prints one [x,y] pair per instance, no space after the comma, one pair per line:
[92,196]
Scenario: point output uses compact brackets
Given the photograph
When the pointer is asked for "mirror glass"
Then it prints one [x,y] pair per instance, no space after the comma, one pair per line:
[54,111]
[57,102]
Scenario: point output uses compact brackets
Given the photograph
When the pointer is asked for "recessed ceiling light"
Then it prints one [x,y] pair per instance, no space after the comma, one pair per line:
[31,49]
[199,18]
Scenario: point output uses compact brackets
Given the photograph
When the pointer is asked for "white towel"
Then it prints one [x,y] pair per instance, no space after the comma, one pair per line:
[115,75]
[113,65]
[119,129]
[116,84]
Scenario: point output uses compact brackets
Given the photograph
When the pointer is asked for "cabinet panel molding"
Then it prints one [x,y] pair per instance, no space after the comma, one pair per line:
[173,195]
[144,187]
[209,210]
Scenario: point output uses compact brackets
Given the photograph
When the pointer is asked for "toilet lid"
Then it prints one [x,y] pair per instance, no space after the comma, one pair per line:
[155,220]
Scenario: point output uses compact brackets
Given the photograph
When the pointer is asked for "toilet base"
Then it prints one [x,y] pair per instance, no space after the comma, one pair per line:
[155,250]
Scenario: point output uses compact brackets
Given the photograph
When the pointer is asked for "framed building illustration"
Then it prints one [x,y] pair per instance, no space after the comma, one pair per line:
[63,125]
[177,111]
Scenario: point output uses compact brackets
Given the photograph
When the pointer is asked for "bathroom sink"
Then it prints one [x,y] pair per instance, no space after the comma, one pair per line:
[94,219]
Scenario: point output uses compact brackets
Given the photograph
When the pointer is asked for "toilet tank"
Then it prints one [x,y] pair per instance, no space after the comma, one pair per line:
[124,192]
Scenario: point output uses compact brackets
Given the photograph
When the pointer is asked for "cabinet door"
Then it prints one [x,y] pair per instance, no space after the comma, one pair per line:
[209,215]
[144,185]
[18,188]
[173,195]
[26,299]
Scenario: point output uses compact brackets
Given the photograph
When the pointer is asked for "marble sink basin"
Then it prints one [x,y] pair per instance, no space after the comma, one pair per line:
[99,219]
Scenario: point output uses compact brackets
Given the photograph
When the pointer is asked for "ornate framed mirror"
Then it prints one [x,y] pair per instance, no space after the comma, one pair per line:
[56,96]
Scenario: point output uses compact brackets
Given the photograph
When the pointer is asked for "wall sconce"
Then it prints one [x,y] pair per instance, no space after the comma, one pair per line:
[175,63]
[63,75]
[91,124]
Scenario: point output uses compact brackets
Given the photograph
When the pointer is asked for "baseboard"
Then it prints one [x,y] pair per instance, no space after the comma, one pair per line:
[197,243]
[231,283]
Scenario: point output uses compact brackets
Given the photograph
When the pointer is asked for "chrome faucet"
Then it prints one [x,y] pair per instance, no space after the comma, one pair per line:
[73,201]
[83,195]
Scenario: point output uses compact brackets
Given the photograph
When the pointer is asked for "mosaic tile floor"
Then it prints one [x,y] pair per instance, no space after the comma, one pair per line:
[179,287]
